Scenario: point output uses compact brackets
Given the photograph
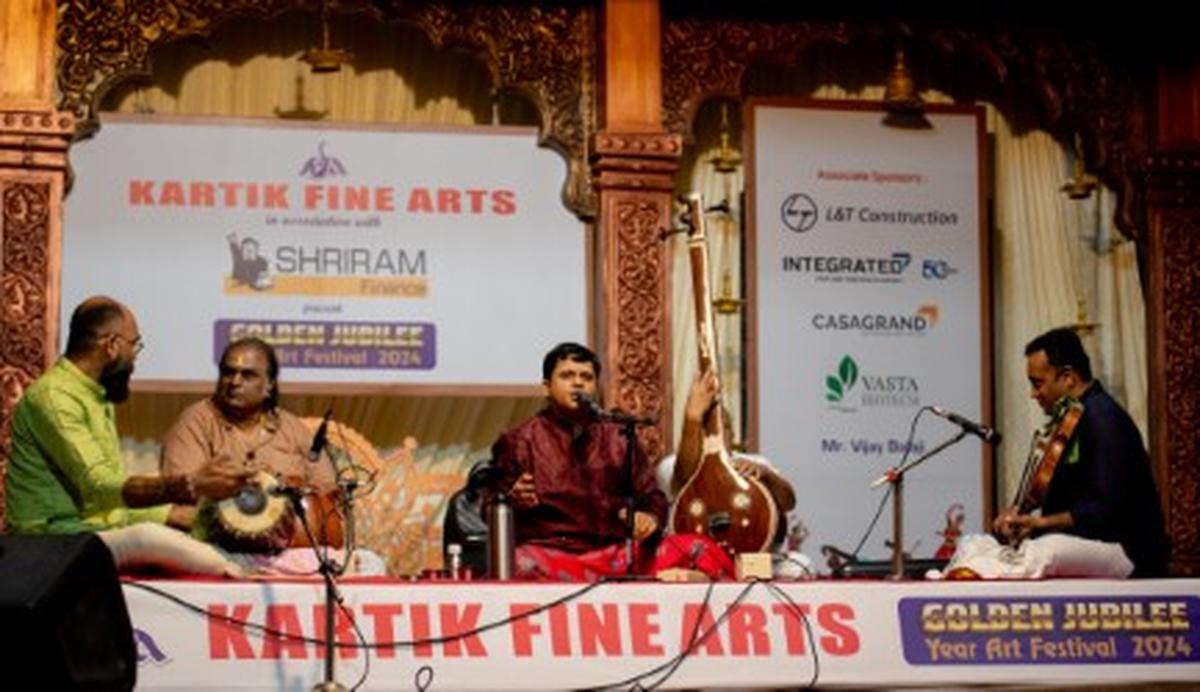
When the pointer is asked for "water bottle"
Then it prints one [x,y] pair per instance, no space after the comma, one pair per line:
[454,555]
[500,538]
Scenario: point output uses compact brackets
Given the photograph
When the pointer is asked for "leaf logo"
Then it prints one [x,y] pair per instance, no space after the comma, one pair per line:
[837,386]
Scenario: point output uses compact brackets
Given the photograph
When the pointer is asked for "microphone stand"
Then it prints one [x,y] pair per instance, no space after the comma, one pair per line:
[629,432]
[329,569]
[629,425]
[895,476]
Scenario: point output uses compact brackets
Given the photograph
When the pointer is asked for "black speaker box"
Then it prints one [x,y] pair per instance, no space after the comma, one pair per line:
[63,620]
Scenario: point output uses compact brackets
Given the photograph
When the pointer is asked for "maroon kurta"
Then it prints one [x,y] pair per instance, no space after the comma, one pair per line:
[580,478]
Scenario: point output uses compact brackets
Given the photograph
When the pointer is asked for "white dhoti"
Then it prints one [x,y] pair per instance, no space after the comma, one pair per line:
[155,546]
[1050,555]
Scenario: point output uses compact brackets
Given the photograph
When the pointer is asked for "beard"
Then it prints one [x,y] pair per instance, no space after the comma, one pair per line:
[115,380]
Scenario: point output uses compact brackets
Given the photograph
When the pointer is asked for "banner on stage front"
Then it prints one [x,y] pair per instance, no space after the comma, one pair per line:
[363,255]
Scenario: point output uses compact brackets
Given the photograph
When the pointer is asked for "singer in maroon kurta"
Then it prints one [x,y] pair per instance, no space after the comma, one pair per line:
[567,477]
[581,481]
[565,474]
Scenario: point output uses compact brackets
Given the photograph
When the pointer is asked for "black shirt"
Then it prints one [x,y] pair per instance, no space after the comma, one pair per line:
[1104,481]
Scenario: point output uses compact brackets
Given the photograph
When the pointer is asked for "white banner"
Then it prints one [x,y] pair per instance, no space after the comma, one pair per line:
[364,255]
[493,636]
[868,305]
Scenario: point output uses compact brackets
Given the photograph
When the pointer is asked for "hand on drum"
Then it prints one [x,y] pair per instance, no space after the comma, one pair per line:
[182,517]
[221,478]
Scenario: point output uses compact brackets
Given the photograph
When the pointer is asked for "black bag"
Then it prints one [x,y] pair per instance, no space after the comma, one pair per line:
[465,523]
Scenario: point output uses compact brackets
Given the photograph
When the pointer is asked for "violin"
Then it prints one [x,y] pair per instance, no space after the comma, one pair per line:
[1049,445]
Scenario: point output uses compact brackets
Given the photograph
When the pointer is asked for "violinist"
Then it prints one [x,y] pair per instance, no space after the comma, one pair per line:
[1100,507]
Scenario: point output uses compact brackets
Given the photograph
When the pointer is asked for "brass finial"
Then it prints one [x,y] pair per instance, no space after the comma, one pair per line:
[300,111]
[727,159]
[326,58]
[1082,183]
[1082,326]
[727,303]
[900,91]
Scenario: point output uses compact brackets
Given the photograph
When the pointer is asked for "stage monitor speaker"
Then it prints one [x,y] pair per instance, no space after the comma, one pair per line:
[63,620]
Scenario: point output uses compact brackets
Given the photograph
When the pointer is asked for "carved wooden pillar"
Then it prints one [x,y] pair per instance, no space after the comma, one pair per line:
[1173,313]
[33,160]
[634,163]
[1172,261]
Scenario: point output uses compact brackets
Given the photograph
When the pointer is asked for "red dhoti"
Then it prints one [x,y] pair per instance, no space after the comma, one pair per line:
[689,551]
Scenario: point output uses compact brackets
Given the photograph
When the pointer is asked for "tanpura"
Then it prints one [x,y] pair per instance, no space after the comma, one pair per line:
[737,512]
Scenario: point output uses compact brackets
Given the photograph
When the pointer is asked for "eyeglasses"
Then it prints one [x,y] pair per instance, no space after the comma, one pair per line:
[136,342]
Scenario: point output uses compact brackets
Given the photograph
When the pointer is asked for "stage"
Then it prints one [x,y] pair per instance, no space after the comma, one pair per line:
[438,635]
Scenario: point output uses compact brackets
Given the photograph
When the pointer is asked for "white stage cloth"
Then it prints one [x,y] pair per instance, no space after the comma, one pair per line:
[853,633]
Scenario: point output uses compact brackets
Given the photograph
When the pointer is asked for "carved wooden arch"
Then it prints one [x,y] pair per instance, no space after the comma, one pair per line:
[545,54]
[1076,90]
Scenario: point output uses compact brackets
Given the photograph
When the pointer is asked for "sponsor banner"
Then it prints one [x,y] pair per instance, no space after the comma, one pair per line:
[396,246]
[868,294]
[1051,630]
[484,635]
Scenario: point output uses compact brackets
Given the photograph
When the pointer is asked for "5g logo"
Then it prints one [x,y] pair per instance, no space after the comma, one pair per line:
[936,269]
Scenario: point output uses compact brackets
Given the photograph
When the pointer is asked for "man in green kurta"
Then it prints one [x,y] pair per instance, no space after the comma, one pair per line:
[65,468]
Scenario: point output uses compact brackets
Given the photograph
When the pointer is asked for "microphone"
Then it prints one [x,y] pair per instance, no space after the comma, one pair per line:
[597,412]
[988,435]
[589,405]
[321,438]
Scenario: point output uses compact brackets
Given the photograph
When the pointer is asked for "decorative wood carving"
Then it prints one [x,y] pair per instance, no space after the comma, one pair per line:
[33,160]
[1173,195]
[25,237]
[1076,89]
[634,174]
[547,54]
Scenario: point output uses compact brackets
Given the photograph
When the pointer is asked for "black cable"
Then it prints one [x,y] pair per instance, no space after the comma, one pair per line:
[794,607]
[263,629]
[692,640]
[634,681]
[912,432]
[874,520]
[362,679]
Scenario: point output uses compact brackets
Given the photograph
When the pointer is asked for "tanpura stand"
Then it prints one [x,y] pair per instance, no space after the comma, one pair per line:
[895,476]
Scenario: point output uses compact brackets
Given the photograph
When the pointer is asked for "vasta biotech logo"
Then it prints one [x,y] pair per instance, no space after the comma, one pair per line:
[848,389]
[879,323]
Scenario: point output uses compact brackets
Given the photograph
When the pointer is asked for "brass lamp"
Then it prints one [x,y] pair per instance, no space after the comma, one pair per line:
[1082,183]
[900,91]
[326,58]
